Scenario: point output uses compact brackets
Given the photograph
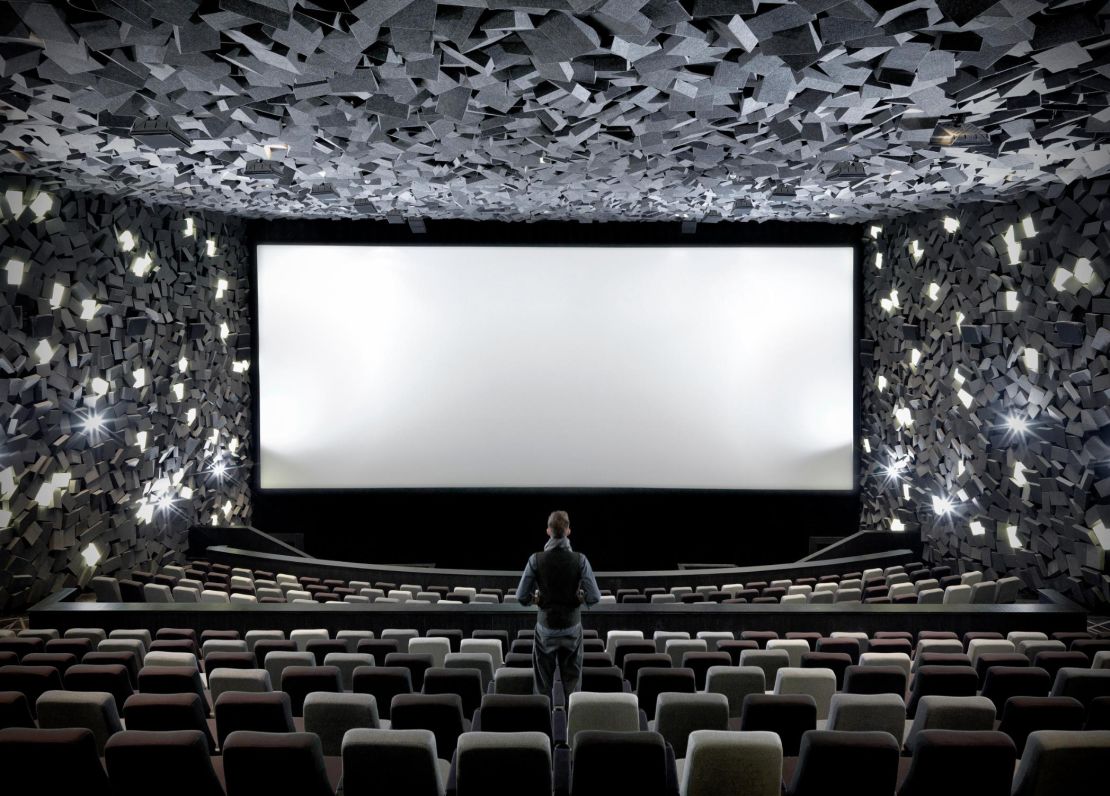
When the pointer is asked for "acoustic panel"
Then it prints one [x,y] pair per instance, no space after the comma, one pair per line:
[986,420]
[125,392]
[583,110]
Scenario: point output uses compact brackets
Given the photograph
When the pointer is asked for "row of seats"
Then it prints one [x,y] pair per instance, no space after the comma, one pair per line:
[523,763]
[218,583]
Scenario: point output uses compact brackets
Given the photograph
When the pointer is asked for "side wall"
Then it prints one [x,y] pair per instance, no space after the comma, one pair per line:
[983,319]
[124,403]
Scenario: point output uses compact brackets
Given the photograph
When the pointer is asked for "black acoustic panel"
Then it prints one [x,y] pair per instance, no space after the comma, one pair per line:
[580,110]
[1000,406]
[98,417]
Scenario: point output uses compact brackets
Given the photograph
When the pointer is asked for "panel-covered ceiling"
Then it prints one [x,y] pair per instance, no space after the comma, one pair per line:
[586,110]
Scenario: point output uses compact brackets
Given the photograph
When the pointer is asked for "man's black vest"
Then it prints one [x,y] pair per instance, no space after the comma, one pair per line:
[558,575]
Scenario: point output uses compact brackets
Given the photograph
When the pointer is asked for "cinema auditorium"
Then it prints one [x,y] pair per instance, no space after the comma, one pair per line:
[554,398]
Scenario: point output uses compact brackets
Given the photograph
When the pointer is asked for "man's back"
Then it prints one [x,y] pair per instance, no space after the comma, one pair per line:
[558,579]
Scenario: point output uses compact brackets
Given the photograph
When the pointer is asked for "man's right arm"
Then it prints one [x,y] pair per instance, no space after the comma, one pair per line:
[527,583]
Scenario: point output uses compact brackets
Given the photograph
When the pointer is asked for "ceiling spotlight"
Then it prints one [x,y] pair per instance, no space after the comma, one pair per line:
[161,132]
[263,169]
[94,423]
[164,502]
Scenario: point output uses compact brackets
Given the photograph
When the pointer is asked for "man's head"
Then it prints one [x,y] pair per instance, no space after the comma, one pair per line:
[558,525]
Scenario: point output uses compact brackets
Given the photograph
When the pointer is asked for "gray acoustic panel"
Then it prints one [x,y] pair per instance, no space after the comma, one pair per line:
[125,408]
[985,383]
[586,110]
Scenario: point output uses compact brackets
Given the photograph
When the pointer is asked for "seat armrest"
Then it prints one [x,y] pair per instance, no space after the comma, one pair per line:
[560,772]
[559,727]
[672,772]
[452,785]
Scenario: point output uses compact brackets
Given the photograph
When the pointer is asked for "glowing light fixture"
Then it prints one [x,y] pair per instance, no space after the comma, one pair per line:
[94,424]
[127,240]
[57,295]
[976,528]
[141,265]
[224,331]
[183,364]
[44,352]
[139,377]
[1031,358]
[221,288]
[89,308]
[966,398]
[933,291]
[210,247]
[897,525]
[178,391]
[880,382]
[91,554]
[1012,537]
[15,270]
[1084,272]
[1013,246]
[879,261]
[1011,300]
[943,506]
[240,366]
[190,227]
[42,205]
[100,387]
[219,469]
[1018,476]
[1027,227]
[140,438]
[875,231]
[915,357]
[903,416]
[951,224]
[1018,425]
[915,250]
[866,445]
[191,416]
[959,319]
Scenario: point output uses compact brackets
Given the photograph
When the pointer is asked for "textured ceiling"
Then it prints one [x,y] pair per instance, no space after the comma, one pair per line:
[557,109]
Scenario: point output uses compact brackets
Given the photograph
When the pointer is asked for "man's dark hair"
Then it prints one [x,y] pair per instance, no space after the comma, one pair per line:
[558,522]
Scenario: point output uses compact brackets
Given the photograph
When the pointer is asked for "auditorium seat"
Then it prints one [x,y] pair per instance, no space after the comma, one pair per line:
[166,712]
[440,713]
[651,682]
[868,713]
[393,762]
[635,760]
[869,759]
[981,761]
[93,710]
[300,681]
[789,716]
[504,764]
[1082,684]
[951,713]
[1023,715]
[1061,762]
[63,761]
[677,715]
[262,764]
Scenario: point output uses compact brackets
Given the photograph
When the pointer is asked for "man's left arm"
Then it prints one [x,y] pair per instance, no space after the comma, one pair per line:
[588,584]
[527,585]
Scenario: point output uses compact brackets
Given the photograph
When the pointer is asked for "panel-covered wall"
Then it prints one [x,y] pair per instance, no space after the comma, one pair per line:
[124,384]
[985,411]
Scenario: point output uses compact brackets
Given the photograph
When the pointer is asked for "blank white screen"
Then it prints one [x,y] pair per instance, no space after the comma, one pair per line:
[445,366]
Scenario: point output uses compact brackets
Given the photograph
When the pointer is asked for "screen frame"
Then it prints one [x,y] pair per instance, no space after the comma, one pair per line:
[310,232]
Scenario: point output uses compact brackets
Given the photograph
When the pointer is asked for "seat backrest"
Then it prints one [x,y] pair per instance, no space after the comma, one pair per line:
[267,712]
[63,760]
[868,713]
[503,764]
[391,761]
[788,715]
[984,761]
[614,712]
[818,683]
[637,760]
[257,763]
[1023,715]
[952,713]
[1061,762]
[168,712]
[331,715]
[440,713]
[870,758]
[678,715]
[732,762]
[94,710]
[735,682]
[136,759]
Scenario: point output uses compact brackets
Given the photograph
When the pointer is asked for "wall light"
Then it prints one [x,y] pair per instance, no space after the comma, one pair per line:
[976,528]
[880,382]
[951,224]
[210,247]
[903,416]
[139,377]
[183,364]
[879,261]
[127,240]
[140,438]
[190,227]
[89,308]
[221,288]
[1018,476]
[94,424]
[140,266]
[875,231]
[1027,227]
[191,416]
[1031,358]
[44,352]
[15,270]
[91,554]
[943,506]
[1013,246]
[1017,425]
[178,391]
[915,250]
[1012,537]
[897,525]
[915,357]
[57,295]
[224,331]
[934,291]
[1010,297]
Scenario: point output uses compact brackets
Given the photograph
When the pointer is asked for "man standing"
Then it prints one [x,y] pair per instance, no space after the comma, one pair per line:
[559,581]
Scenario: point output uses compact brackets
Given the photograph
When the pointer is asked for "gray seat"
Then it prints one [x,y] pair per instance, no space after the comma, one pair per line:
[483,758]
[157,593]
[106,589]
[346,663]
[724,763]
[678,715]
[868,713]
[93,710]
[277,662]
[514,680]
[1062,763]
[951,713]
[735,682]
[770,661]
[393,762]
[223,680]
[330,716]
